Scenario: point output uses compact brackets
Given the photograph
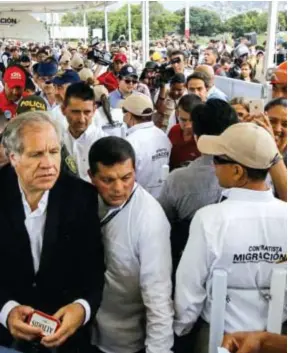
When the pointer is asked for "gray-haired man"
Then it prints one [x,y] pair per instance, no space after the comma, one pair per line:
[50,236]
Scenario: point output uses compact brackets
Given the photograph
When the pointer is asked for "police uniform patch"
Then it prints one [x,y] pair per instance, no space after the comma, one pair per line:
[7,114]
[71,164]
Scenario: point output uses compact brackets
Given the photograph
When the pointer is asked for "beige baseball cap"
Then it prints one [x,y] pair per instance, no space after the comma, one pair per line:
[85,74]
[65,58]
[99,90]
[77,62]
[139,105]
[245,143]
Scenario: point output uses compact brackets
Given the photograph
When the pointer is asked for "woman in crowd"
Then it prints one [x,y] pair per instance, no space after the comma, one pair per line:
[247,73]
[184,148]
[241,105]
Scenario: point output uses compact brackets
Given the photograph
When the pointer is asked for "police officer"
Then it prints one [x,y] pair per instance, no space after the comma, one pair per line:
[151,144]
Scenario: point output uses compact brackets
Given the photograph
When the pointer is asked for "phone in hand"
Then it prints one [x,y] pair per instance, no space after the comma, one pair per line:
[256,106]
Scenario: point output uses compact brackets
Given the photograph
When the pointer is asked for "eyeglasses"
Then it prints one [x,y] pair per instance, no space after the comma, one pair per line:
[223,160]
[130,81]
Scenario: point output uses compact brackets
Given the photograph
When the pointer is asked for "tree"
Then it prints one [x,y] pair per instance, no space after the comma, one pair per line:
[202,22]
[161,21]
[282,21]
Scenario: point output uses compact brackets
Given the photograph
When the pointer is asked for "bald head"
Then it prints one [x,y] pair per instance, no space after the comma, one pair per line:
[207,70]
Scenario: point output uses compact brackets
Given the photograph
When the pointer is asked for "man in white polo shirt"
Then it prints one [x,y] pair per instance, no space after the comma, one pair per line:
[244,235]
[79,108]
[151,145]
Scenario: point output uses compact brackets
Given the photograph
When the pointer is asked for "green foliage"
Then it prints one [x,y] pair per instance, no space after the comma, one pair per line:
[202,22]
[254,22]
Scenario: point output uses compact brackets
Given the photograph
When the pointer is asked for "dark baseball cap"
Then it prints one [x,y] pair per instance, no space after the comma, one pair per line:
[45,69]
[30,104]
[128,71]
[66,76]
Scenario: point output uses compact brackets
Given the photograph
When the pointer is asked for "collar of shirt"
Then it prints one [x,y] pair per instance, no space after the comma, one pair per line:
[49,106]
[241,194]
[42,205]
[140,126]
[105,210]
[86,134]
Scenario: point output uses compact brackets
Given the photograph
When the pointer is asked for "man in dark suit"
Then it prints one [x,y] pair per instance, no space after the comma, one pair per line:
[51,255]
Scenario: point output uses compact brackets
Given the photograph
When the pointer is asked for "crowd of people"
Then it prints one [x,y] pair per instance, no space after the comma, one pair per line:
[122,190]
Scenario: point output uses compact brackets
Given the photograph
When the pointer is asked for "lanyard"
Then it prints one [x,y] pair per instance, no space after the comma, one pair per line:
[114,213]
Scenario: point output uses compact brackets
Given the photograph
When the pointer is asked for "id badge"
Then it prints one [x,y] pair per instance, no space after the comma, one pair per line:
[47,323]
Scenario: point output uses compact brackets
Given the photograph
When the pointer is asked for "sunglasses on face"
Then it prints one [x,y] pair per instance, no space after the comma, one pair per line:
[127,81]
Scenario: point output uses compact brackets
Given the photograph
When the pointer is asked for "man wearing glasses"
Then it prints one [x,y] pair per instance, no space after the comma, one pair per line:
[46,72]
[128,80]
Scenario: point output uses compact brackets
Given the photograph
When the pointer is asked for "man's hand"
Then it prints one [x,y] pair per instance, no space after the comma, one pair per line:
[243,342]
[17,326]
[72,317]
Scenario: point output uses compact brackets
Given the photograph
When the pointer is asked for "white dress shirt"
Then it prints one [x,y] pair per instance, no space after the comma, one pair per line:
[136,309]
[35,224]
[79,148]
[245,235]
[58,117]
[152,148]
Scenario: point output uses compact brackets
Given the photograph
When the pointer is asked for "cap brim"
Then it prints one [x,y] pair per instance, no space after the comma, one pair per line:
[211,145]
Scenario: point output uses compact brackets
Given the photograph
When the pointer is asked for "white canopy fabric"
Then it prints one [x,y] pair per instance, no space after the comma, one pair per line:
[49,6]
[22,26]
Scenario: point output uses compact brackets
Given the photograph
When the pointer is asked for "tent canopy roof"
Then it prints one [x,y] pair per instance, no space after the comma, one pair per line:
[50,6]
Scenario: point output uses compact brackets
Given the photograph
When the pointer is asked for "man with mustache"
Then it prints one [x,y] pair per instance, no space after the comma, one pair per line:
[14,85]
[50,237]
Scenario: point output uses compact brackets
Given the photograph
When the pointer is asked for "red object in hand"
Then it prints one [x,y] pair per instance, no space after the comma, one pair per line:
[109,80]
[47,323]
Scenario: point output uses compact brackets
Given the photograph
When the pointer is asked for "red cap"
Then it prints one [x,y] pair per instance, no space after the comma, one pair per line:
[280,74]
[120,57]
[14,77]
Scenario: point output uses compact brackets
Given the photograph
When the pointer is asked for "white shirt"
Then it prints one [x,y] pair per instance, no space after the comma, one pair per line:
[137,280]
[79,148]
[35,224]
[152,148]
[57,116]
[118,129]
[244,235]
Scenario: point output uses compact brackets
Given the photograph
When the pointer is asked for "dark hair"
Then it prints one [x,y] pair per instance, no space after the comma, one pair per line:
[42,51]
[25,59]
[214,52]
[252,73]
[213,117]
[225,60]
[109,151]
[79,90]
[30,85]
[177,52]
[275,102]
[241,101]
[257,174]
[177,78]
[189,102]
[200,76]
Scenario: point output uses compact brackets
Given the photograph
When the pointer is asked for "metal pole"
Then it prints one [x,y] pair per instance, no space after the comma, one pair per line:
[85,25]
[129,31]
[143,33]
[53,29]
[187,20]
[147,29]
[106,26]
[271,35]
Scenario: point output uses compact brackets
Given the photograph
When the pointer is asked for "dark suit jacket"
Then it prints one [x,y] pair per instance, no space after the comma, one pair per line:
[72,258]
